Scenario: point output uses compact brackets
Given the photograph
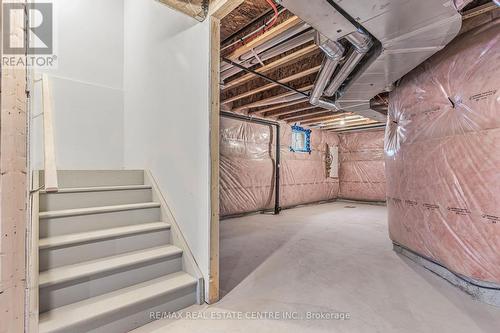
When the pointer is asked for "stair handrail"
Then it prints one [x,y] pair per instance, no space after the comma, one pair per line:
[50,169]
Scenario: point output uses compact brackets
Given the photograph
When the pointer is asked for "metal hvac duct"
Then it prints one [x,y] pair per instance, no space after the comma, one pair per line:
[362,44]
[406,34]
[333,54]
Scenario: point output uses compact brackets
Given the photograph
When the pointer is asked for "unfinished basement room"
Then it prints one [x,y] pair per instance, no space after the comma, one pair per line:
[224,166]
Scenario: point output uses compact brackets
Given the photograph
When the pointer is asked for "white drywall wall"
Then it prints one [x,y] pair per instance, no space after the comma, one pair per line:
[166,83]
[87,87]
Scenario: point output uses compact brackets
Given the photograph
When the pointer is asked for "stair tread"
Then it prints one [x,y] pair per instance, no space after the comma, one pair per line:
[89,236]
[96,210]
[100,189]
[88,268]
[66,316]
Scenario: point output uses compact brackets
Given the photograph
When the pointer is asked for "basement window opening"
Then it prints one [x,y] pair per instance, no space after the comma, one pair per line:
[301,139]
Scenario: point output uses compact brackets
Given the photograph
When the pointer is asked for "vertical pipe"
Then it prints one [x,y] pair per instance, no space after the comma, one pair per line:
[277,207]
[277,165]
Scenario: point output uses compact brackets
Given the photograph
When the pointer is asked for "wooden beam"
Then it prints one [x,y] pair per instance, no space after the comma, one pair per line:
[213,288]
[346,118]
[342,122]
[13,185]
[354,123]
[276,107]
[271,99]
[479,10]
[356,127]
[266,68]
[301,114]
[320,119]
[323,114]
[219,9]
[284,111]
[268,35]
[50,167]
[287,79]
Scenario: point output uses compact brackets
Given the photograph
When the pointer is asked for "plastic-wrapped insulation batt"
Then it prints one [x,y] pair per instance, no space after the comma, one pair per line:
[442,150]
[247,168]
[362,166]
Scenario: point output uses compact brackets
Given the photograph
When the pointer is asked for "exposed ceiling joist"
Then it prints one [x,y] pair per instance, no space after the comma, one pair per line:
[273,85]
[342,118]
[281,98]
[324,113]
[364,121]
[271,33]
[276,107]
[324,118]
[301,114]
[304,106]
[479,10]
[359,127]
[308,50]
[342,122]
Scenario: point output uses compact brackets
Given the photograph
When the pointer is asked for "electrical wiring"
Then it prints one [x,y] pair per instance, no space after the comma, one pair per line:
[261,28]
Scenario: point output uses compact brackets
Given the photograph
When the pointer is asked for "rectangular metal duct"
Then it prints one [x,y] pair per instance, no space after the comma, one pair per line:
[409,32]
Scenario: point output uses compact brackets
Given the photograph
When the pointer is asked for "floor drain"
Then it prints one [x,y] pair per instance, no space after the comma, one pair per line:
[349,206]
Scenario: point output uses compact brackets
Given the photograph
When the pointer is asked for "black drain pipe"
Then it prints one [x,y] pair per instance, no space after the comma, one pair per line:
[277,164]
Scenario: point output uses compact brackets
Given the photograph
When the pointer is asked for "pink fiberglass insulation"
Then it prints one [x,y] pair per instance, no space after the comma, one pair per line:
[362,166]
[442,150]
[247,168]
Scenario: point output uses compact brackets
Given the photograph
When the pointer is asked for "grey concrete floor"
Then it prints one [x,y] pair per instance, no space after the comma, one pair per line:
[328,258]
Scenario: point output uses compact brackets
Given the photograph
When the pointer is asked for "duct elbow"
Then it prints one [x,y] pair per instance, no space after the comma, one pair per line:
[333,53]
[361,41]
[328,105]
[333,50]
[326,72]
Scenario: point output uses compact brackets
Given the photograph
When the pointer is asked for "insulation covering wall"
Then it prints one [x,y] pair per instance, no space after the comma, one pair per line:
[247,168]
[443,157]
[362,166]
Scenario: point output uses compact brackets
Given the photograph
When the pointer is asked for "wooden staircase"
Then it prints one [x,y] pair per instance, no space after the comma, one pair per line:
[107,256]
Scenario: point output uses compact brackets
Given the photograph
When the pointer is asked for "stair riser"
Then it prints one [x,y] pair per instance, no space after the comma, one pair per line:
[56,257]
[142,317]
[93,178]
[62,201]
[77,290]
[134,316]
[73,224]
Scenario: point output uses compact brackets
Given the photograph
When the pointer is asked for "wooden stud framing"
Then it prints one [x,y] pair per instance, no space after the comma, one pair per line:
[13,189]
[219,9]
[50,168]
[308,50]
